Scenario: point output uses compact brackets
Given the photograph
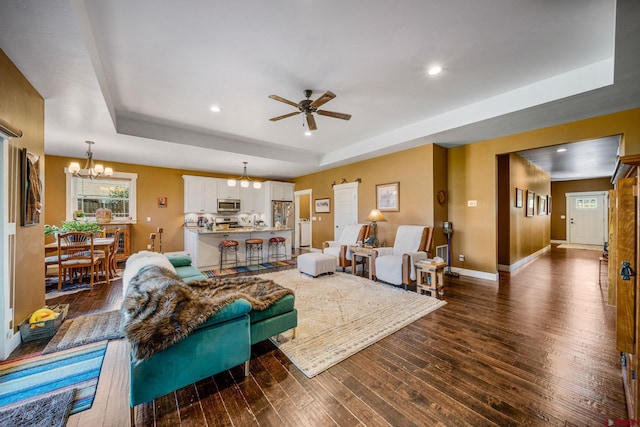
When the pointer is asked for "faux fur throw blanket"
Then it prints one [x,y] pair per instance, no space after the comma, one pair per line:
[160,309]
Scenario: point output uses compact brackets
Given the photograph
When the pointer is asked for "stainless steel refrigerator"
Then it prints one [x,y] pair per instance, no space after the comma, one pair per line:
[283,213]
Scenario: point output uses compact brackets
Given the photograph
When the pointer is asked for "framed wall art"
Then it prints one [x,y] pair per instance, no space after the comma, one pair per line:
[322,205]
[519,197]
[31,188]
[542,205]
[531,203]
[548,205]
[388,197]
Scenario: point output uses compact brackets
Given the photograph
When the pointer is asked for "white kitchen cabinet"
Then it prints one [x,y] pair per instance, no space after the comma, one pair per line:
[281,190]
[200,194]
[252,199]
[226,192]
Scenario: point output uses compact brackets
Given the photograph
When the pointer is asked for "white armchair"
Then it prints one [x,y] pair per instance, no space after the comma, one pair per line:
[350,235]
[396,265]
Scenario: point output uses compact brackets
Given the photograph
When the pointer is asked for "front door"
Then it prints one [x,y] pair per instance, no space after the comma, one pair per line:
[587,218]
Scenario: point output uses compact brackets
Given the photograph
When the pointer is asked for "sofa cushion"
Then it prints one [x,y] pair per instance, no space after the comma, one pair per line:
[180,260]
[189,273]
[140,260]
[232,310]
[283,305]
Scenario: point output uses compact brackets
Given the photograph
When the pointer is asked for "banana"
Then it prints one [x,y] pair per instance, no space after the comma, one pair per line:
[42,314]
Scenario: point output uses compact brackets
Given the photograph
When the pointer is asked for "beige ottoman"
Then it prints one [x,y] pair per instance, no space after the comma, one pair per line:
[316,263]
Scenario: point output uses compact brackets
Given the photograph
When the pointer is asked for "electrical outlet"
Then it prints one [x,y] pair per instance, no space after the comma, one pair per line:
[461,258]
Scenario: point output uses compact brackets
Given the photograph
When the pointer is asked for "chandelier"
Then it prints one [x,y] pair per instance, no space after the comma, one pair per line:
[244,179]
[90,169]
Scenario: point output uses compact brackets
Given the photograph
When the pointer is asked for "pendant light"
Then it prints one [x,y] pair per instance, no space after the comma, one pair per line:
[245,181]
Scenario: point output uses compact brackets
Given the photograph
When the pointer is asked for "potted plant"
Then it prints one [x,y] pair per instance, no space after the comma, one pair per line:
[66,226]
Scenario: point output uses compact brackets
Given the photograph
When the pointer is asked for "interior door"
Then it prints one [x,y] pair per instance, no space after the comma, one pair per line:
[587,218]
[345,201]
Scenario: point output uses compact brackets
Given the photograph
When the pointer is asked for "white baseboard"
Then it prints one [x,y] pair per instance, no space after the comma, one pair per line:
[475,273]
[523,261]
[558,241]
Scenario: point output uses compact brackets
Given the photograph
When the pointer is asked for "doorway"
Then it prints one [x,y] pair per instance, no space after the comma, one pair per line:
[302,234]
[587,218]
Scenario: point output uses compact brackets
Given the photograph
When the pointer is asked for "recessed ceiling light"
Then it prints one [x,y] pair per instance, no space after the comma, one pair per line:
[215,108]
[561,150]
[436,69]
[308,133]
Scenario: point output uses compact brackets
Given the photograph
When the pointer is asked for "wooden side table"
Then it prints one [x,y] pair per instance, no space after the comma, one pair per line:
[364,252]
[430,278]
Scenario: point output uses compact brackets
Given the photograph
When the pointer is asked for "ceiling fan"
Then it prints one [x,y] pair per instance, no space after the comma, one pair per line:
[308,107]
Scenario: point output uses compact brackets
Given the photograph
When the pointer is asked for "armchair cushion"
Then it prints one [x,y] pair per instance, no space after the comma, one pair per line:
[396,265]
[350,235]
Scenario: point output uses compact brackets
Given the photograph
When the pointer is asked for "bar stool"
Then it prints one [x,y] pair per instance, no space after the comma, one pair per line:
[275,243]
[226,247]
[254,250]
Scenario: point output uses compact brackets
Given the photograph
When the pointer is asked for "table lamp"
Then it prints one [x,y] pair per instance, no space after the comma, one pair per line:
[374,216]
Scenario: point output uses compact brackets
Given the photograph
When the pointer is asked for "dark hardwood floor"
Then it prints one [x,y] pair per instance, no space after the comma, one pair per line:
[536,348]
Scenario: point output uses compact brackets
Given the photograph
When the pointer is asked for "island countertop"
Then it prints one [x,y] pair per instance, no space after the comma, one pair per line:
[204,230]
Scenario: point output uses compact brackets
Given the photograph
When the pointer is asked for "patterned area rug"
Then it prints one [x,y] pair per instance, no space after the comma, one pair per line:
[85,330]
[51,411]
[341,314]
[51,285]
[247,268]
[36,375]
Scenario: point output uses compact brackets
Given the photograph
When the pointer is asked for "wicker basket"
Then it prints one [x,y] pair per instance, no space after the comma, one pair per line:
[27,333]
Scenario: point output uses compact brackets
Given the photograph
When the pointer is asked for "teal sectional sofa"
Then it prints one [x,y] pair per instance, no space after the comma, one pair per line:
[222,342]
[278,318]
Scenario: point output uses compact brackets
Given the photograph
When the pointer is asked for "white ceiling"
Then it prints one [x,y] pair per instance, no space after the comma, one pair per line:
[138,77]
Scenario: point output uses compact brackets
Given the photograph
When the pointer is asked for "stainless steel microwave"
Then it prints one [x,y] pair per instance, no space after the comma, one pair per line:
[228,205]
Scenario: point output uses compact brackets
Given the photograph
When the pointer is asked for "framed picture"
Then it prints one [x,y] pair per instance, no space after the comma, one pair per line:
[162,202]
[518,197]
[531,203]
[548,205]
[322,205]
[31,188]
[542,205]
[388,197]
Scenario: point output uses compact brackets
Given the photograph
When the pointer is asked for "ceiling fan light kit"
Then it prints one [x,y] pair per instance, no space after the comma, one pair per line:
[309,107]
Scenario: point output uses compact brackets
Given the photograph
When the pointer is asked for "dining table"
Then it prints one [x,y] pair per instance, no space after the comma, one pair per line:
[99,243]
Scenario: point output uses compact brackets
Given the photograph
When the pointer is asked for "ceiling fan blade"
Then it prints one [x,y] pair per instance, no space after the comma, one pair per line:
[333,114]
[326,97]
[311,122]
[285,116]
[286,101]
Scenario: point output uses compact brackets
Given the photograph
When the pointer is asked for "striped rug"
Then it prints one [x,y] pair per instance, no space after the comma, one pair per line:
[247,268]
[35,375]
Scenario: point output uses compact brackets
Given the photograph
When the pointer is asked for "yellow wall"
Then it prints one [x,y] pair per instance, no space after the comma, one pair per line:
[304,206]
[416,171]
[23,107]
[527,234]
[472,176]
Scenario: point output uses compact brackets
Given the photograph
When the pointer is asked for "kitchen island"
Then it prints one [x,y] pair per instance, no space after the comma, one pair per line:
[202,243]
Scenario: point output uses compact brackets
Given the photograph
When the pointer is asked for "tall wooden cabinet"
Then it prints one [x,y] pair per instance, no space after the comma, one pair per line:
[623,264]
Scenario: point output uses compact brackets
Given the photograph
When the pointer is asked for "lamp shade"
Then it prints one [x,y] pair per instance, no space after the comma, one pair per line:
[375,215]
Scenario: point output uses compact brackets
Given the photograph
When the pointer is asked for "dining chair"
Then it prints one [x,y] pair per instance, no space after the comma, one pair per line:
[75,254]
[113,249]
